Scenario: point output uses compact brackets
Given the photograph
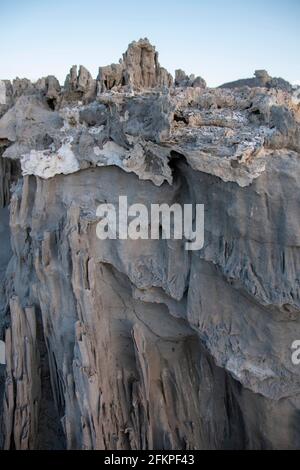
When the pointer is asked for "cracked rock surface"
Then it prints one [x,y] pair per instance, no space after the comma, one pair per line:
[122,344]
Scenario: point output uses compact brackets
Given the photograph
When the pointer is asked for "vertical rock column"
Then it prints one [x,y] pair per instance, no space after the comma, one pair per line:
[23,386]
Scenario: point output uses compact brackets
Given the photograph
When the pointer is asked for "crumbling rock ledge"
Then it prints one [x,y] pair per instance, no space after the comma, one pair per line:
[122,344]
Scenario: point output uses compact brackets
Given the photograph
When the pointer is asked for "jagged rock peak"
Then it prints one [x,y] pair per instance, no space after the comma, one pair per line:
[184,80]
[141,61]
[79,85]
[138,69]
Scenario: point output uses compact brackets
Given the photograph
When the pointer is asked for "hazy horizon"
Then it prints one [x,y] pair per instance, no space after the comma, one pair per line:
[219,40]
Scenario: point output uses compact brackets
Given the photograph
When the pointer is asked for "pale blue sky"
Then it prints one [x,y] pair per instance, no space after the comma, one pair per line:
[221,40]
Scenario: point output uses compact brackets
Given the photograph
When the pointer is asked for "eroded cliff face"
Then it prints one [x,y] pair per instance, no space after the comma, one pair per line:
[122,344]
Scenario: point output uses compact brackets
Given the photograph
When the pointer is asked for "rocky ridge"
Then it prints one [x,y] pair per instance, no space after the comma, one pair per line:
[106,340]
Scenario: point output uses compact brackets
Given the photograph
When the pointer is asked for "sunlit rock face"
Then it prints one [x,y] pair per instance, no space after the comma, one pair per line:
[123,344]
[139,68]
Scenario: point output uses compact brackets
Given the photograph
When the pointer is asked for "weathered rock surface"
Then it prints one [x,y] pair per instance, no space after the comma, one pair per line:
[123,344]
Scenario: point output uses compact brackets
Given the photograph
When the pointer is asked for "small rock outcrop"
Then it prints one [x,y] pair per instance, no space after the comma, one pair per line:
[79,85]
[50,87]
[183,80]
[261,79]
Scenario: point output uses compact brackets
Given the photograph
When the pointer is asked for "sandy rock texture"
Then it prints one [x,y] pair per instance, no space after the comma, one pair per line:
[122,344]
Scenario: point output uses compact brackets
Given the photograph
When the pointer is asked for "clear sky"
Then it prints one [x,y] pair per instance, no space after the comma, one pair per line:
[221,40]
